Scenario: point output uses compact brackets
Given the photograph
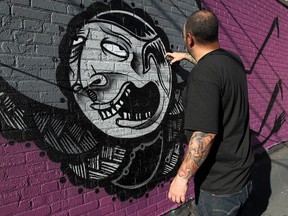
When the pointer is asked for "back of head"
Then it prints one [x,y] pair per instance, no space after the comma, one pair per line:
[203,25]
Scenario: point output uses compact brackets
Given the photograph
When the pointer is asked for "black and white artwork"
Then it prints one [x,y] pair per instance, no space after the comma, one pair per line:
[122,130]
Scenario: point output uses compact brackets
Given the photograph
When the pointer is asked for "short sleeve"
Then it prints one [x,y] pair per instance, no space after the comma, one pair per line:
[202,108]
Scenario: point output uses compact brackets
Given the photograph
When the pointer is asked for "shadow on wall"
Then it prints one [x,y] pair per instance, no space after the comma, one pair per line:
[259,199]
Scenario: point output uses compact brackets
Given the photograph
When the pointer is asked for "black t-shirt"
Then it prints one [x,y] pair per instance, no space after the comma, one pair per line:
[216,101]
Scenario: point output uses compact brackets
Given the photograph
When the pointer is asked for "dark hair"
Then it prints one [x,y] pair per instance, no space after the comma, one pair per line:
[203,25]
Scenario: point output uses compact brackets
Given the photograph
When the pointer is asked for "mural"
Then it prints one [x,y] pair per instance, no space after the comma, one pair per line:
[122,129]
[124,104]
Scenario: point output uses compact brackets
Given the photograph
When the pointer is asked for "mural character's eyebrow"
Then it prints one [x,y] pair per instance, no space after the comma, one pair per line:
[116,34]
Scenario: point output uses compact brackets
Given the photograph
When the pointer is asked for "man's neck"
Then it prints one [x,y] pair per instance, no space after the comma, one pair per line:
[202,50]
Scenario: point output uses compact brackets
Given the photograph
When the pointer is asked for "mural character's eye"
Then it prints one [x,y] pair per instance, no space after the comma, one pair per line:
[117,50]
[98,81]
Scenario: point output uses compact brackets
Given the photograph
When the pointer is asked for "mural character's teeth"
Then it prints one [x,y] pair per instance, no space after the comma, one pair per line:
[125,115]
[146,115]
[129,116]
[128,90]
[149,114]
[108,114]
[113,111]
[126,93]
[104,115]
[117,106]
[121,102]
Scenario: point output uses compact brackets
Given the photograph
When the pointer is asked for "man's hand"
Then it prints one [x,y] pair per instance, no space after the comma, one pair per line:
[199,146]
[178,189]
[179,56]
[175,56]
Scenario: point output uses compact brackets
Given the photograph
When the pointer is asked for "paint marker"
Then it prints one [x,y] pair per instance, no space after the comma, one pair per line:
[169,58]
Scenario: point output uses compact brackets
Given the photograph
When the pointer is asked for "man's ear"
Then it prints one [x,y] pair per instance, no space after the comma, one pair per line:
[190,40]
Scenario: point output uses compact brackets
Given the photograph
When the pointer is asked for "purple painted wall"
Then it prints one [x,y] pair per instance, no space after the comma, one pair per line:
[58,157]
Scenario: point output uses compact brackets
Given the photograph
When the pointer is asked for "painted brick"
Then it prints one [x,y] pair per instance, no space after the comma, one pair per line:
[118,213]
[16,171]
[18,11]
[102,211]
[148,210]
[12,47]
[13,184]
[44,210]
[52,165]
[34,156]
[23,2]
[22,36]
[36,168]
[136,207]
[33,25]
[35,61]
[3,174]
[49,187]
[164,203]
[56,40]
[90,196]
[121,205]
[65,213]
[47,50]
[60,18]
[45,177]
[30,191]
[51,28]
[12,22]
[4,9]
[24,206]
[163,188]
[5,34]
[42,39]
[7,59]
[73,10]
[9,209]
[12,160]
[8,197]
[49,5]
[105,201]
[85,208]
[72,191]
[156,198]
[64,204]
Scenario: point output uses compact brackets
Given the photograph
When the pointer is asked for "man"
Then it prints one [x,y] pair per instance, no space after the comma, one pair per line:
[219,154]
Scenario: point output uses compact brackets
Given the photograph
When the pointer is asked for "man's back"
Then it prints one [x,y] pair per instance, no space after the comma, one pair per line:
[220,79]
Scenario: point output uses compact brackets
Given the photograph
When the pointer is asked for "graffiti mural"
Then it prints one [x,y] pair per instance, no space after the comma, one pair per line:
[122,130]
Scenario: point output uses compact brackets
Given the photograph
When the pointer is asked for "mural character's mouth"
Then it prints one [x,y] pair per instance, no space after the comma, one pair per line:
[131,104]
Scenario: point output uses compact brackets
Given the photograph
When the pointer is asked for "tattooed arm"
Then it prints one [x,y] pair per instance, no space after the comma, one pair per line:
[198,149]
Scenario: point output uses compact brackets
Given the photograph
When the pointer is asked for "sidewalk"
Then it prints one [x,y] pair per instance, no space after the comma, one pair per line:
[270,186]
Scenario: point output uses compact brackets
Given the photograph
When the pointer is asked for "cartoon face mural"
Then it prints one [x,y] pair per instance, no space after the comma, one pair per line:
[123,104]
[129,96]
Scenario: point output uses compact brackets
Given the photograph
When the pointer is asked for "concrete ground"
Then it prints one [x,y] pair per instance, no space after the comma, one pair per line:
[270,186]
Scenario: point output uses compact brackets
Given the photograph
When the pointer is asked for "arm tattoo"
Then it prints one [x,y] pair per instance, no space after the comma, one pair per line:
[199,147]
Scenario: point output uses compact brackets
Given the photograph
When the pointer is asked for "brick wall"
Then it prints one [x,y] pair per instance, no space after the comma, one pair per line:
[60,158]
